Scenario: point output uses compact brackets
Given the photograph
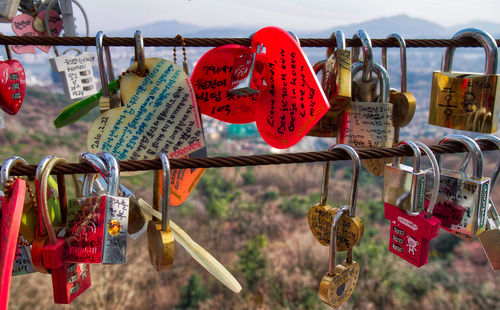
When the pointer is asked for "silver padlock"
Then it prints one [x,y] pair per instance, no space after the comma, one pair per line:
[242,79]
[463,199]
[76,73]
[108,100]
[404,186]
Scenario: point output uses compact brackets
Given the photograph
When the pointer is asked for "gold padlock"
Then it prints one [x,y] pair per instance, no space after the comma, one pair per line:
[160,236]
[403,102]
[338,284]
[466,101]
[336,82]
[320,216]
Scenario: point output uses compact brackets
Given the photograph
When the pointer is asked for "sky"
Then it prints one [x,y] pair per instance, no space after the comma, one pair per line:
[111,15]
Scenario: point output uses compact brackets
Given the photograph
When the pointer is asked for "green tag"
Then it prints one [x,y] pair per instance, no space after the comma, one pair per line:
[79,109]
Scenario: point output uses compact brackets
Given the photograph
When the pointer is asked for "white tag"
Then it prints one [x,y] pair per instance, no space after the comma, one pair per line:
[76,74]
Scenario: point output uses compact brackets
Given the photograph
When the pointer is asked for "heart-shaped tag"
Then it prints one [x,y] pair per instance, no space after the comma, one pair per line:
[13,86]
[211,79]
[12,210]
[160,115]
[292,101]
[22,25]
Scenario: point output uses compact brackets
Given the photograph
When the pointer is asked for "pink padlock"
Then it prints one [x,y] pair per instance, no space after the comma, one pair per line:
[411,233]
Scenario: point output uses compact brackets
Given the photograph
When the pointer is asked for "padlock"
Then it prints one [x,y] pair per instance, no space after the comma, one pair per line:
[404,186]
[336,82]
[244,78]
[22,262]
[490,237]
[69,280]
[10,218]
[403,102]
[320,216]
[108,100]
[8,9]
[160,236]
[466,101]
[337,286]
[97,226]
[463,199]
[76,73]
[412,229]
[370,123]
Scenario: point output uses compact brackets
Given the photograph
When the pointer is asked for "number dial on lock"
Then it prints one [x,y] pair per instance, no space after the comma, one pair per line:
[337,289]
[350,229]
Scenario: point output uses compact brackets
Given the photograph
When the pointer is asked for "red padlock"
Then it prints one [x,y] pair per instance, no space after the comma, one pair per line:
[411,233]
[69,280]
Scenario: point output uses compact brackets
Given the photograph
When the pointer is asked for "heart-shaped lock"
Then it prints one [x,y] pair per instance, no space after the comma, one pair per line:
[292,100]
[23,25]
[13,85]
[160,115]
[212,82]
[320,216]
[338,284]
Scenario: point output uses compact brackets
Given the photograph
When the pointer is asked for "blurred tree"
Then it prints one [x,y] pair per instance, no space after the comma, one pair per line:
[252,262]
[192,294]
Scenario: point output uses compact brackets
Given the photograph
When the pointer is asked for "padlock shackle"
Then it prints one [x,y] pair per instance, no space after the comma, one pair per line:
[339,37]
[324,183]
[417,156]
[89,178]
[320,65]
[366,43]
[105,79]
[436,175]
[42,189]
[165,199]
[356,164]
[6,166]
[113,173]
[139,53]
[384,80]
[333,239]
[402,57]
[496,172]
[485,39]
[472,147]
[38,177]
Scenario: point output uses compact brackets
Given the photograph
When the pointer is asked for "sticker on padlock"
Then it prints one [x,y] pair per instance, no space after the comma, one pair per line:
[320,216]
[336,82]
[76,73]
[467,101]
[246,79]
[463,199]
[337,286]
[67,281]
[97,226]
[411,233]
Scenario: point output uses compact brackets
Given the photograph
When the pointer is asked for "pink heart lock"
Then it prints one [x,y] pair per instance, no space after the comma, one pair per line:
[12,85]
[292,100]
[22,25]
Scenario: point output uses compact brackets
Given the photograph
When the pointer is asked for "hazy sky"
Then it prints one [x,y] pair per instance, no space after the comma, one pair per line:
[295,14]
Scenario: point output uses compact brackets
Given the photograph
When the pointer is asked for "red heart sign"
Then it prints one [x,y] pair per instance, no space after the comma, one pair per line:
[211,80]
[292,100]
[13,86]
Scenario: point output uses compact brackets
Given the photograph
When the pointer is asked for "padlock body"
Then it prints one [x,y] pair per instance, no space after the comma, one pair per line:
[69,281]
[243,77]
[410,235]
[53,254]
[22,262]
[160,246]
[336,289]
[459,192]
[369,125]
[490,241]
[404,188]
[337,87]
[100,237]
[465,101]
